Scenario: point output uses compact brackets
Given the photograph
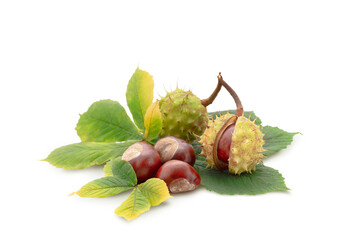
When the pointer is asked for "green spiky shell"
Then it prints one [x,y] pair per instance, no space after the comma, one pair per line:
[183,115]
[246,149]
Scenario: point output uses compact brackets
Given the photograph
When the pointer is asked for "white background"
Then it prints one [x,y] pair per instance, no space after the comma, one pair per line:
[295,63]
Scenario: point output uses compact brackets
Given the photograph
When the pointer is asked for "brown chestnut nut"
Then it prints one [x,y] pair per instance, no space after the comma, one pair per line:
[171,148]
[179,176]
[224,145]
[144,159]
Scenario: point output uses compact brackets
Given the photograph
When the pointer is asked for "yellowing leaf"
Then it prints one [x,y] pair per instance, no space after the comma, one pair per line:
[133,206]
[151,193]
[139,95]
[123,179]
[108,168]
[86,154]
[153,123]
[105,187]
[155,190]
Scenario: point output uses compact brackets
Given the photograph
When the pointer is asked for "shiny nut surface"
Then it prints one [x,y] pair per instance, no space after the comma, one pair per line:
[171,148]
[144,159]
[179,176]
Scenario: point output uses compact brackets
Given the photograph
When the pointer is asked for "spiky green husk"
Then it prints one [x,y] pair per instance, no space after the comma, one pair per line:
[183,115]
[246,149]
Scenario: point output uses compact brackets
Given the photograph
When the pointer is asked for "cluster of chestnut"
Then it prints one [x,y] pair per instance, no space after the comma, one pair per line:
[171,159]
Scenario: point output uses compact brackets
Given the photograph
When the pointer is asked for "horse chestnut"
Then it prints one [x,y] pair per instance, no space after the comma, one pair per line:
[144,159]
[233,142]
[179,176]
[223,150]
[171,148]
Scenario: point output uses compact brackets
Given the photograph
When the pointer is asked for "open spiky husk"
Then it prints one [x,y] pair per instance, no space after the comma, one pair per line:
[246,149]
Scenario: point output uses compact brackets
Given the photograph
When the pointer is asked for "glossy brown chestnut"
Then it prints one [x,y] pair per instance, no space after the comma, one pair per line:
[224,145]
[144,159]
[171,148]
[179,176]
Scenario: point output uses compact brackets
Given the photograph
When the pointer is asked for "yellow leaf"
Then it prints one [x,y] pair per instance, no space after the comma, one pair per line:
[152,121]
[155,190]
[133,206]
[108,168]
[151,193]
[139,95]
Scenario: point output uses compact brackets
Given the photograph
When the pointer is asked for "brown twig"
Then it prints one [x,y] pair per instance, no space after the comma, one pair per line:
[239,106]
[206,102]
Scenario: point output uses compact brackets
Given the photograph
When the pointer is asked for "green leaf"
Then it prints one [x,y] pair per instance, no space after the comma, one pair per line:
[133,206]
[197,147]
[139,95]
[262,180]
[155,190]
[276,139]
[105,187]
[106,121]
[153,123]
[246,114]
[123,179]
[124,170]
[83,155]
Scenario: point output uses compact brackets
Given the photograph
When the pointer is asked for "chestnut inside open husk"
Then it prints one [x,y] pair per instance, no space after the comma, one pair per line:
[233,142]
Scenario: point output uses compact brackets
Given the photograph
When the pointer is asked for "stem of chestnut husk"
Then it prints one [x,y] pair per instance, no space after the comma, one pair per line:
[206,102]
[239,106]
